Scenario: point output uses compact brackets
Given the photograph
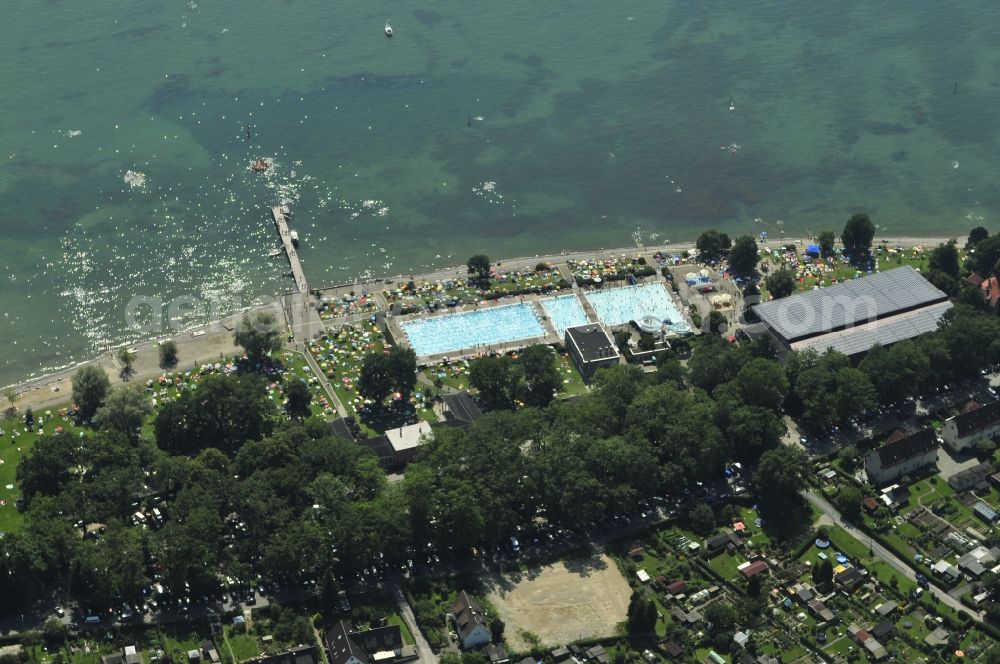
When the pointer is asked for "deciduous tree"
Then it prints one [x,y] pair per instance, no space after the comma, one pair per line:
[743,256]
[90,386]
[857,237]
[780,283]
[259,336]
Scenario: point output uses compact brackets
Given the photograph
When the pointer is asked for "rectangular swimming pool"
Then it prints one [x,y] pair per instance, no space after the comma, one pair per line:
[564,311]
[482,327]
[616,306]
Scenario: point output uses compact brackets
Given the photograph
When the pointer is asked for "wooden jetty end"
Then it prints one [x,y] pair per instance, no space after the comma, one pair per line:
[281,221]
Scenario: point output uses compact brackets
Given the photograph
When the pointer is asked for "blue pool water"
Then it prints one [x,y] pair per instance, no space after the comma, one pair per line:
[616,306]
[451,332]
[564,311]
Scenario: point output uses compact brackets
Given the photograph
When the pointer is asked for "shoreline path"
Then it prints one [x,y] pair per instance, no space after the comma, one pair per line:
[214,341]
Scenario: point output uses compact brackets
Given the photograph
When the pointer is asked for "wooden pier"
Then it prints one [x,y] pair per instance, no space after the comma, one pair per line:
[281,221]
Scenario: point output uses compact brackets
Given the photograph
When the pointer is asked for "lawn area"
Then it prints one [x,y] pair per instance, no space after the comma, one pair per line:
[572,379]
[243,646]
[296,365]
[396,619]
[16,441]
[178,639]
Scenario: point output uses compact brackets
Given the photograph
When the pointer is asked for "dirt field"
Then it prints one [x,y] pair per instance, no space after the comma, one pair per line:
[562,602]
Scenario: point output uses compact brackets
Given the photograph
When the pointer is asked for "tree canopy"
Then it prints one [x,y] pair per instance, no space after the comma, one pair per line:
[90,386]
[743,256]
[259,336]
[827,239]
[713,244]
[976,235]
[780,283]
[857,236]
[479,265]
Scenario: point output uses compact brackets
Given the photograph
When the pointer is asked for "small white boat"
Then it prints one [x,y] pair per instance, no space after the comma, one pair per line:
[295,237]
[388,30]
[276,252]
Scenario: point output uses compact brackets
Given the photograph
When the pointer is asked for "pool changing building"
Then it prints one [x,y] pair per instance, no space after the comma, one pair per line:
[591,349]
[851,317]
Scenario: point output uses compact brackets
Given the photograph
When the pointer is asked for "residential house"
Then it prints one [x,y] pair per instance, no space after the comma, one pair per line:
[470,622]
[741,638]
[895,496]
[672,648]
[559,654]
[303,654]
[347,645]
[112,658]
[597,654]
[591,349]
[976,477]
[749,570]
[849,579]
[901,455]
[676,588]
[882,630]
[974,423]
[990,290]
[946,571]
[718,543]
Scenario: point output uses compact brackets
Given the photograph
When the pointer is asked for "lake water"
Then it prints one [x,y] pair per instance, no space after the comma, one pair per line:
[513,127]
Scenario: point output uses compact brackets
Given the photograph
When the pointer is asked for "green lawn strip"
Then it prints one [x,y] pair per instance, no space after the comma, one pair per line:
[244,646]
[396,619]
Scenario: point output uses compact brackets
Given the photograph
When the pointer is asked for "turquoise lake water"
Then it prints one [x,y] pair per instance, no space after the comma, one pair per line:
[593,124]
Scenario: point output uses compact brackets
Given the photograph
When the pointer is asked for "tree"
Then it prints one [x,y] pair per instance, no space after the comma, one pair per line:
[90,385]
[945,282]
[127,358]
[826,242]
[54,632]
[224,412]
[480,266]
[29,419]
[781,475]
[985,448]
[497,627]
[702,519]
[855,393]
[124,411]
[762,383]
[402,364]
[541,378]
[743,256]
[976,235]
[721,616]
[376,379]
[641,616]
[780,283]
[944,257]
[168,354]
[712,244]
[857,237]
[259,336]
[298,398]
[717,322]
[497,379]
[895,372]
[822,572]
[11,395]
[848,502]
[984,261]
[753,587]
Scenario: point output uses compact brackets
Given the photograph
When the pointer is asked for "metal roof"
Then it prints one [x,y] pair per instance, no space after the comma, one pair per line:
[883,332]
[846,304]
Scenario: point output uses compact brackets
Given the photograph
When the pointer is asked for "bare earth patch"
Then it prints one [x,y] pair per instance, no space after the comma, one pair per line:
[562,602]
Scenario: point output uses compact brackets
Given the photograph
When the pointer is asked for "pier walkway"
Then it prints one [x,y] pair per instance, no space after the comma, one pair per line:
[300,309]
[281,221]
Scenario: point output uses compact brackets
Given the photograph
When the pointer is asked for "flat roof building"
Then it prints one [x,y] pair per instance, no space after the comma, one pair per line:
[851,317]
[591,349]
[406,439]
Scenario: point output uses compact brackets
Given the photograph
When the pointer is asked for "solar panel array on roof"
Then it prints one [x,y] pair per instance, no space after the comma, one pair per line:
[880,333]
[872,297]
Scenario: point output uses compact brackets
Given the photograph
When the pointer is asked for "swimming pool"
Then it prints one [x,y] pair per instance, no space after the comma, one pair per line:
[451,332]
[616,306]
[564,311]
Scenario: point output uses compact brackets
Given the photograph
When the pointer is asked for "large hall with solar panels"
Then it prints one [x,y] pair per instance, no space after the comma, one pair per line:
[851,317]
